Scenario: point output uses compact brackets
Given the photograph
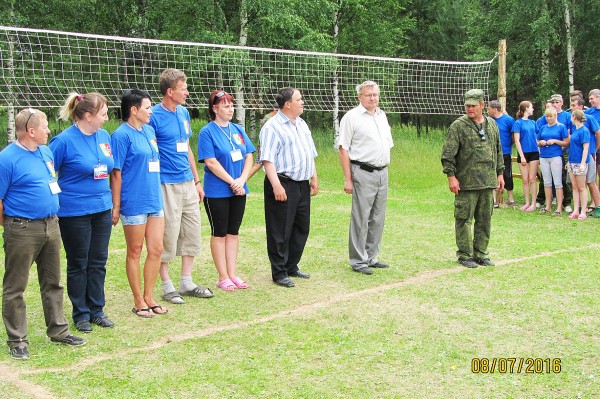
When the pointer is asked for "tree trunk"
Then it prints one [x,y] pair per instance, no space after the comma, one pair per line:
[240,111]
[10,109]
[336,96]
[570,48]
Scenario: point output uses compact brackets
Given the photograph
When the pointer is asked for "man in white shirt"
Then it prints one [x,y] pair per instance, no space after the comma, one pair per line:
[364,144]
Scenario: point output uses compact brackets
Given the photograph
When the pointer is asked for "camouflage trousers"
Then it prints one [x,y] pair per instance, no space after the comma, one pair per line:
[469,205]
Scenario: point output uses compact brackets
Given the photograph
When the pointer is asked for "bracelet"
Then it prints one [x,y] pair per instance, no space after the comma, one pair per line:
[197,182]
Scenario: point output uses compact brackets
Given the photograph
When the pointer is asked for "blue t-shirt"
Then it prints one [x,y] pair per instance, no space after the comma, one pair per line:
[578,137]
[75,157]
[172,128]
[556,132]
[593,126]
[563,117]
[527,130]
[217,142]
[505,124]
[140,189]
[24,182]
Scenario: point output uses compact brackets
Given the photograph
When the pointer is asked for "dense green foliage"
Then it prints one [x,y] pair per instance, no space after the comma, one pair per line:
[440,29]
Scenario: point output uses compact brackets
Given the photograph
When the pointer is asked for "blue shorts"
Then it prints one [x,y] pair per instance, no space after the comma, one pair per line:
[140,219]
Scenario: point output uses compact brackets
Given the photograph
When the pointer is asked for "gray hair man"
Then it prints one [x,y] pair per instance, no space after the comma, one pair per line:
[364,146]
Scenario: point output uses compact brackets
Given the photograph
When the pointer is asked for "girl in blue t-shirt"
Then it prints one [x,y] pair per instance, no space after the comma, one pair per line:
[137,197]
[551,138]
[528,158]
[579,158]
[227,152]
[83,161]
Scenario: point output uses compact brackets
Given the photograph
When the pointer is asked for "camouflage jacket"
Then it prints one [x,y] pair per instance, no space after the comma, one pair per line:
[476,163]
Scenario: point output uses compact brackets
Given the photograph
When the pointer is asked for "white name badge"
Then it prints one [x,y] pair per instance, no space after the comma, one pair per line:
[153,166]
[236,155]
[54,188]
[182,146]
[100,172]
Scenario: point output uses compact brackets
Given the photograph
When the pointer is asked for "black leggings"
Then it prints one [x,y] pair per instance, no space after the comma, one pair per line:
[225,214]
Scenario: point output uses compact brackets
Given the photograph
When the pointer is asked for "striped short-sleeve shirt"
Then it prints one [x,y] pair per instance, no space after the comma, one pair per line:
[289,146]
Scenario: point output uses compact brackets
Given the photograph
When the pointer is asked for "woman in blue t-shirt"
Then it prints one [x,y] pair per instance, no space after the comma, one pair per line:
[227,152]
[83,160]
[528,158]
[137,197]
[579,158]
[551,138]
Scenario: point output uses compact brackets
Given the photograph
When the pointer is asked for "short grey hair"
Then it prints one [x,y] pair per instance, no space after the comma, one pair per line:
[366,83]
[496,105]
[594,92]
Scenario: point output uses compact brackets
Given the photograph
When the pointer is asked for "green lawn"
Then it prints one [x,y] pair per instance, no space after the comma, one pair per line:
[407,332]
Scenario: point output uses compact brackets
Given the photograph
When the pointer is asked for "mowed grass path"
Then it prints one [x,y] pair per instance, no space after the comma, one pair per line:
[407,332]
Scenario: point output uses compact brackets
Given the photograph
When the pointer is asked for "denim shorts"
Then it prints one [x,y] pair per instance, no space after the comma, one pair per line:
[140,219]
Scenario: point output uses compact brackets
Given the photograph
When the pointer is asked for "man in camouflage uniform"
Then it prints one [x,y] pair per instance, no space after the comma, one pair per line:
[472,160]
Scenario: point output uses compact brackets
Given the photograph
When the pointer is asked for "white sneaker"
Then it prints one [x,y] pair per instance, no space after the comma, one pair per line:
[568,209]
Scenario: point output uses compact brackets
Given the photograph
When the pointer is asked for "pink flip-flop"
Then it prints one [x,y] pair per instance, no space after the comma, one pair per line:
[574,215]
[226,285]
[530,209]
[524,207]
[239,283]
[582,216]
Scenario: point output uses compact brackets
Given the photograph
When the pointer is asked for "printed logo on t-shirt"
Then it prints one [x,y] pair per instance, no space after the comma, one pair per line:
[154,144]
[239,139]
[186,126]
[105,147]
[50,166]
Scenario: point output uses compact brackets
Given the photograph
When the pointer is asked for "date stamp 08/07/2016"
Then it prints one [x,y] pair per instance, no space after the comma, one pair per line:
[512,365]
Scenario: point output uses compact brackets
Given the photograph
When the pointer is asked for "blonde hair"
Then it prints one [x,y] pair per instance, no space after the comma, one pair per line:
[28,118]
[579,116]
[550,111]
[77,105]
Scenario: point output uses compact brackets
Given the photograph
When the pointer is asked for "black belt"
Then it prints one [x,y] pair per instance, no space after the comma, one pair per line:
[19,219]
[368,167]
[286,178]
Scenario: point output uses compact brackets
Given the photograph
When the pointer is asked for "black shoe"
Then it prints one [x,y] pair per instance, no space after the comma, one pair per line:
[84,326]
[103,322]
[379,265]
[470,263]
[285,282]
[19,353]
[70,340]
[364,270]
[485,262]
[299,274]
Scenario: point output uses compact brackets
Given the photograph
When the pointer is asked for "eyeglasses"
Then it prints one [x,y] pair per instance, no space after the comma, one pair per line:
[481,133]
[31,113]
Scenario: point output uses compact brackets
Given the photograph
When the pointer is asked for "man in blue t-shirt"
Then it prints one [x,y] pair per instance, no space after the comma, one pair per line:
[180,185]
[594,110]
[504,123]
[594,127]
[28,208]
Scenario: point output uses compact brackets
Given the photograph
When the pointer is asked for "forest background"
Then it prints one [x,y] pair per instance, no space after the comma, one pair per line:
[547,40]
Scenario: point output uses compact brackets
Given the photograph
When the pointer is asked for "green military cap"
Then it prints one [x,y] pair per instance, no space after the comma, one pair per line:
[473,97]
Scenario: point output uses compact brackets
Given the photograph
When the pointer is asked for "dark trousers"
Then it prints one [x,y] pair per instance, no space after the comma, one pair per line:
[86,240]
[508,177]
[287,224]
[26,242]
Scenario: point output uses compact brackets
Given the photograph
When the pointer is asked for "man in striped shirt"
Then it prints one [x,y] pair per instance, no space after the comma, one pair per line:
[287,153]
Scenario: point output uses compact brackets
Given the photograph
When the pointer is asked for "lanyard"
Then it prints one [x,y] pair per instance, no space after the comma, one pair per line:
[228,136]
[40,157]
[181,138]
[143,132]
[95,134]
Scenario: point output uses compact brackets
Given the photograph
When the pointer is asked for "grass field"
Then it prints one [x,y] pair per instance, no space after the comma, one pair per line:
[407,332]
